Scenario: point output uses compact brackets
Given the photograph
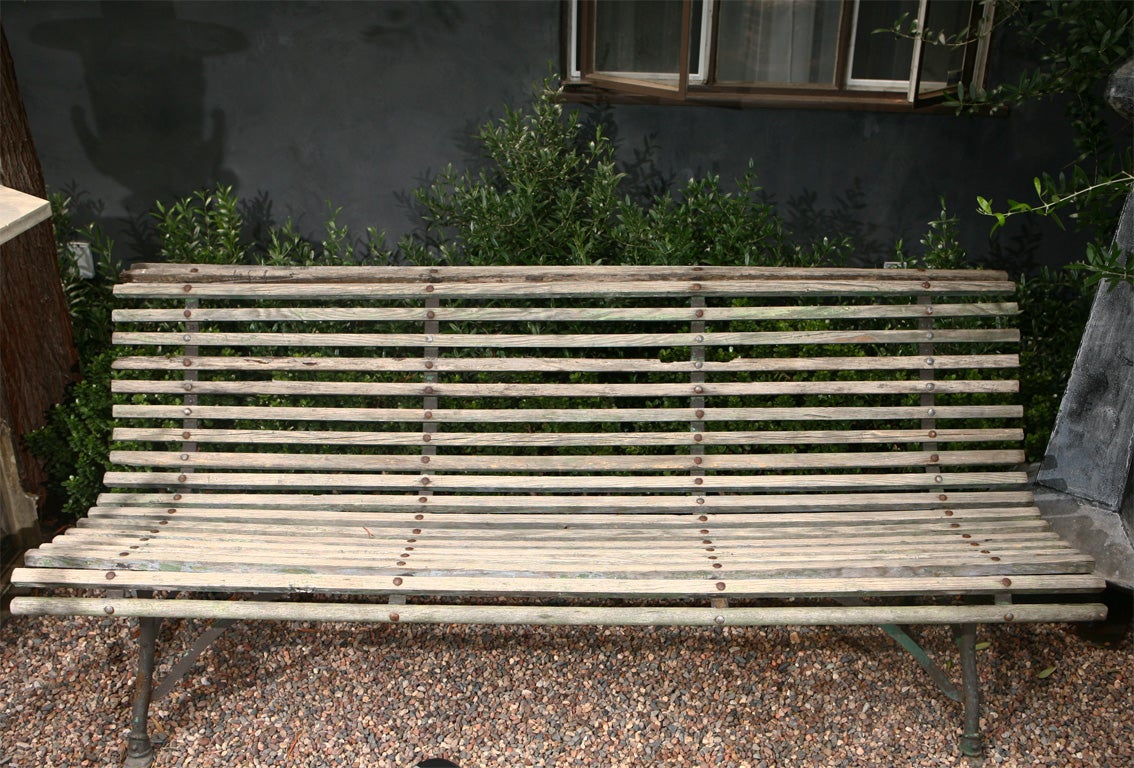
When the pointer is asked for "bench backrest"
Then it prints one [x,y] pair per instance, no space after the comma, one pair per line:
[566,389]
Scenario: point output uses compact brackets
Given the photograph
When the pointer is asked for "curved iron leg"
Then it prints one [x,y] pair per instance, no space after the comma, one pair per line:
[139,750]
[971,742]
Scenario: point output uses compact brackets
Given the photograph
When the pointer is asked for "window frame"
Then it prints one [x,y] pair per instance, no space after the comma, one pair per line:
[586,85]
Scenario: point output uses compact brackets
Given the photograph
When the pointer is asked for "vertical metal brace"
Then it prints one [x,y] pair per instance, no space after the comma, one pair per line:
[432,327]
[971,741]
[928,374]
[189,446]
[696,379]
[139,749]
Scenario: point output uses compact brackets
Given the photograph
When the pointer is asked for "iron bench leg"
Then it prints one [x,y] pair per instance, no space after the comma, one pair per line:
[139,750]
[971,742]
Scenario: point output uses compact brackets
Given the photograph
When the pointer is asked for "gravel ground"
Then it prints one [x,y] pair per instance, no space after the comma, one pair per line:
[294,694]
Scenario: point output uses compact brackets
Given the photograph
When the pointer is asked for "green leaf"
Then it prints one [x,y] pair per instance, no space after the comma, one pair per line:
[983,646]
[1046,673]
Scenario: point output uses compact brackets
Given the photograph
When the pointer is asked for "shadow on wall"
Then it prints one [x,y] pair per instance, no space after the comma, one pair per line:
[145,75]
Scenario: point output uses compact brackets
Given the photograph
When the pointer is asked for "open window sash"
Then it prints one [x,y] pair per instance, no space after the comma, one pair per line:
[975,60]
[657,84]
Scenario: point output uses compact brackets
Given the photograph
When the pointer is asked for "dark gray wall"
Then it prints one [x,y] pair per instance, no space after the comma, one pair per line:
[356,102]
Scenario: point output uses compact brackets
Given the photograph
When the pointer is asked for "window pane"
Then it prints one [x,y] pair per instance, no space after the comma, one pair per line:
[777,41]
[882,56]
[643,36]
[941,64]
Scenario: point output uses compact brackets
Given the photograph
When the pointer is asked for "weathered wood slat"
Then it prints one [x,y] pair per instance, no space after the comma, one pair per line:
[505,389]
[455,504]
[563,439]
[159,271]
[561,340]
[235,581]
[537,519]
[562,314]
[515,289]
[564,415]
[557,615]
[529,483]
[569,364]
[596,464]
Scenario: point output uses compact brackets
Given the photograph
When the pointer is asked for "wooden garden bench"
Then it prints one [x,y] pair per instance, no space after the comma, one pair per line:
[565,445]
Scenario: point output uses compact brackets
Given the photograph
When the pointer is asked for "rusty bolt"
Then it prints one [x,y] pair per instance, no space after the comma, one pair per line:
[929,310]
[429,414]
[985,552]
[182,478]
[942,497]
[697,460]
[397,581]
[123,554]
[424,459]
[704,530]
[177,497]
[719,620]
[429,390]
[108,610]
[699,313]
[720,586]
[695,286]
[994,559]
[186,435]
[698,481]
[948,513]
[1006,582]
[110,576]
[698,438]
[187,362]
[431,314]
[187,288]
[426,437]
[966,535]
[419,517]
[698,389]
[394,617]
[933,433]
[425,481]
[428,363]
[954,525]
[401,562]
[429,289]
[716,565]
[1009,617]
[925,284]
[415,531]
[699,413]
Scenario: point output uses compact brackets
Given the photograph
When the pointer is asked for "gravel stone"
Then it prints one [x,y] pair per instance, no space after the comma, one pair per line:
[298,694]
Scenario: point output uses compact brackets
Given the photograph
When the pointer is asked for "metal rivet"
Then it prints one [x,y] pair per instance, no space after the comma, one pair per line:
[699,413]
[188,313]
[698,438]
[942,497]
[429,289]
[933,433]
[994,559]
[429,390]
[406,553]
[187,411]
[716,565]
[123,554]
[153,530]
[187,288]
[426,437]
[929,361]
[110,576]
[187,337]
[397,581]
[163,522]
[720,586]
[710,549]
[401,562]
[177,497]
[972,543]
[695,287]
[698,364]
[428,363]
[925,284]
[416,531]
[185,435]
[699,313]
[699,338]
[171,511]
[1006,582]
[704,530]
[966,535]
[429,338]
[411,541]
[931,412]
[706,541]
[929,334]
[719,620]
[934,458]
[948,513]
[1009,617]
[929,310]
[954,525]
[424,459]
[698,481]
[698,389]
[185,457]
[937,479]
[395,617]
[712,557]
[985,552]
[187,362]
[431,314]
[702,518]
[429,414]
[194,271]
[697,460]
[134,546]
[701,500]
[425,481]
[182,478]
[108,610]
[931,386]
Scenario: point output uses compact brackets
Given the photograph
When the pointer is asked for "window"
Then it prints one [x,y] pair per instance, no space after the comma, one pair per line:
[774,52]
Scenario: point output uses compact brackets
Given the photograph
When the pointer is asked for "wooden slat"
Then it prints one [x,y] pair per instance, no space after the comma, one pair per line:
[570,288]
[562,314]
[230,581]
[563,439]
[510,389]
[596,464]
[503,615]
[526,483]
[562,340]
[164,271]
[455,504]
[571,364]
[563,415]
